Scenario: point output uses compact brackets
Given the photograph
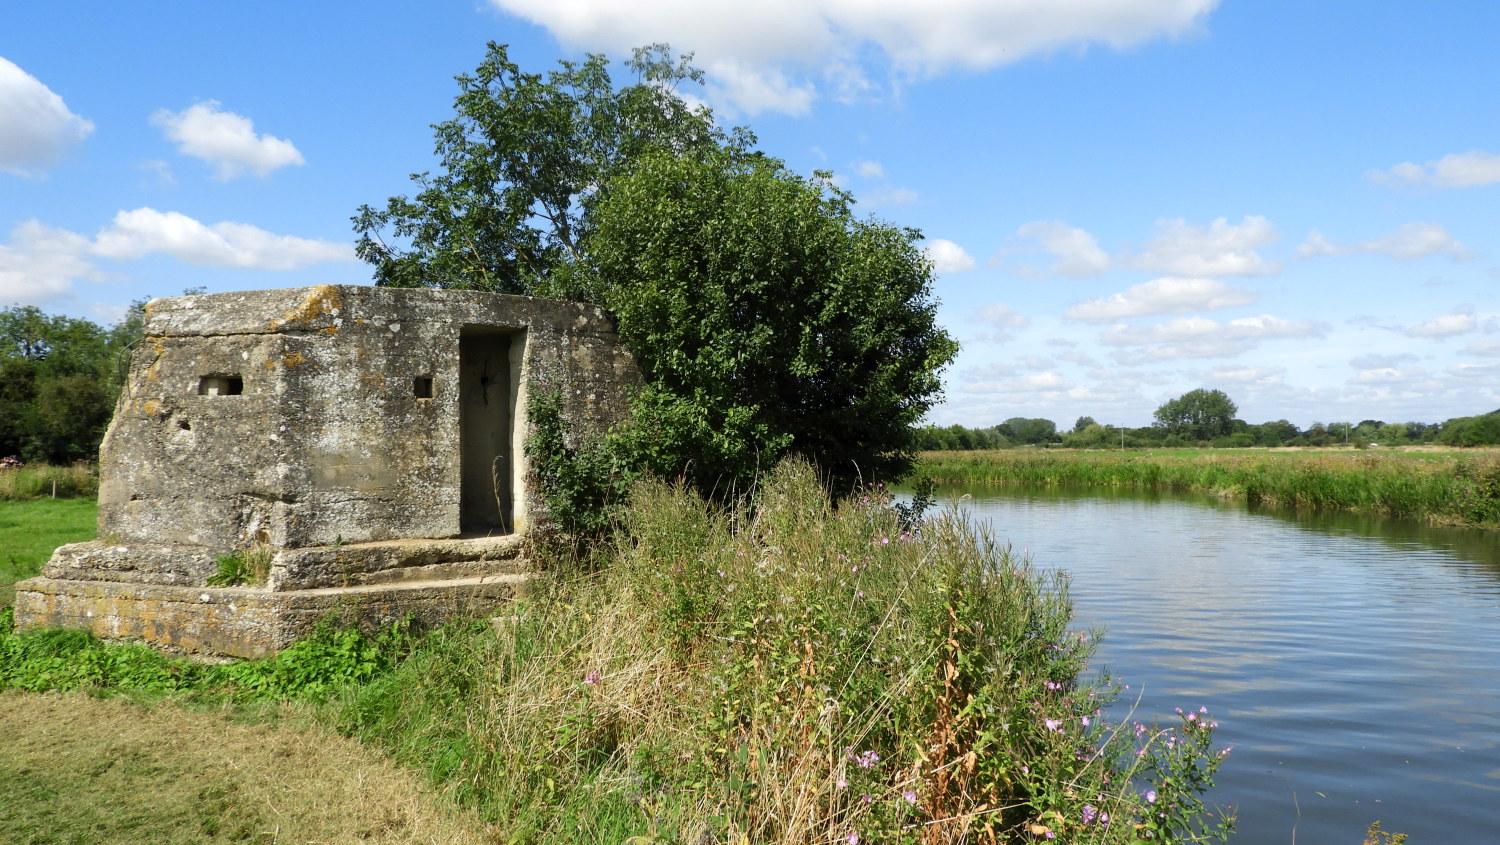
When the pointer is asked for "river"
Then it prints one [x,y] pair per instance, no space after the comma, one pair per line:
[1353,663]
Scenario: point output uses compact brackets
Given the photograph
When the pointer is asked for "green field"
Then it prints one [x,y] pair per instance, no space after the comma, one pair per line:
[1457,487]
[30,530]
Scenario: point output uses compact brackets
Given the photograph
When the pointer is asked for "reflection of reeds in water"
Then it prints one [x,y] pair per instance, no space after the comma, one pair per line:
[1450,488]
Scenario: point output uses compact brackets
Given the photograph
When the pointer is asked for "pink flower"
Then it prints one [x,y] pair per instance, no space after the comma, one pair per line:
[1151,796]
[852,839]
[911,797]
[591,678]
[1053,725]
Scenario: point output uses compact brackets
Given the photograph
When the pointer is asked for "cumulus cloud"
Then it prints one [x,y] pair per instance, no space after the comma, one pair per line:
[948,257]
[36,127]
[1219,249]
[1375,361]
[1003,320]
[1038,383]
[1162,296]
[870,169]
[1249,376]
[41,263]
[1406,242]
[1479,371]
[135,234]
[1458,170]
[1078,254]
[1486,347]
[771,56]
[1461,321]
[1200,337]
[1389,376]
[226,140]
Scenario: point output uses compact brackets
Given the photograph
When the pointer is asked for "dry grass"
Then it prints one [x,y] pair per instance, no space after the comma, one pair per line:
[82,769]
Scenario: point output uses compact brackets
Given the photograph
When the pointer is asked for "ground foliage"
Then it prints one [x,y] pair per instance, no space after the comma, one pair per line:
[781,671]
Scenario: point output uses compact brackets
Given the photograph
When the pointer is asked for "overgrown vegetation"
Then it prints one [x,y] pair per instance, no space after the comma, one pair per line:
[1449,488]
[37,481]
[787,672]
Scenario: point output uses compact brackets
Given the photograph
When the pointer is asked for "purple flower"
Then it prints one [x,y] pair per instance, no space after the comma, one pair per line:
[1150,796]
[591,678]
[911,797]
[1053,725]
[1089,813]
[852,839]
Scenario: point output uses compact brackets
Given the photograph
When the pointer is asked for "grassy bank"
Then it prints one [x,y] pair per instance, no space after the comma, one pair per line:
[38,481]
[30,530]
[1446,488]
[792,674]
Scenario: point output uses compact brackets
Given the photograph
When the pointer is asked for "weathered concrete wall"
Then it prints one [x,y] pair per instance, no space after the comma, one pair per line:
[327,439]
[348,434]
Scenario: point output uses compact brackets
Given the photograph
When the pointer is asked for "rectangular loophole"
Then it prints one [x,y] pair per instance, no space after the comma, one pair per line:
[421,387]
[220,385]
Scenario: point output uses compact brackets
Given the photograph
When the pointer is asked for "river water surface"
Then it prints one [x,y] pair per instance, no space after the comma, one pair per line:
[1353,663]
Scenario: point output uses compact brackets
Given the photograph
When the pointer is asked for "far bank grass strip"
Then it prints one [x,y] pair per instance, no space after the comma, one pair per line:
[1449,488]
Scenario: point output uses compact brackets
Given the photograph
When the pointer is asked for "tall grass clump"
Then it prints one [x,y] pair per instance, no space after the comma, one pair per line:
[1443,489]
[37,481]
[789,671]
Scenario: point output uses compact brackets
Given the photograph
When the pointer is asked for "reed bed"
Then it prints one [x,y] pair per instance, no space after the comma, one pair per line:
[42,481]
[1441,488]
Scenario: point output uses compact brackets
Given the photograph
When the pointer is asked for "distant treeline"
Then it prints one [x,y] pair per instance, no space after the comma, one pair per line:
[1483,430]
[59,378]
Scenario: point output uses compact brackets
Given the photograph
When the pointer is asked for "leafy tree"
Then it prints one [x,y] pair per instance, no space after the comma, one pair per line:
[59,377]
[768,318]
[524,161]
[1083,423]
[1197,415]
[1032,432]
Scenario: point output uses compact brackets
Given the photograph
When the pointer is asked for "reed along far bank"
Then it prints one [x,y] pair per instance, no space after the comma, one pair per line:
[1444,488]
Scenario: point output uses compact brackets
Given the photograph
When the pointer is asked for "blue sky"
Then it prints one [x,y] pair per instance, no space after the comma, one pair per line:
[1296,203]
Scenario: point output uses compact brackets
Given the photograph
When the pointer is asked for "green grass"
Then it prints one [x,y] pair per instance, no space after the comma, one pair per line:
[30,530]
[1459,488]
[784,671]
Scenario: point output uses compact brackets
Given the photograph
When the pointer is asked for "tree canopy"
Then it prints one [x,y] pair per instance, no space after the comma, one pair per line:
[1197,415]
[768,317]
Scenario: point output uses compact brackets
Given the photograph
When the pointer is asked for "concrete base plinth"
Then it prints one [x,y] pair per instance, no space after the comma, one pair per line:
[245,621]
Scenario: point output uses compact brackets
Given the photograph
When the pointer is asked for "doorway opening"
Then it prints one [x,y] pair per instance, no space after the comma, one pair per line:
[489,389]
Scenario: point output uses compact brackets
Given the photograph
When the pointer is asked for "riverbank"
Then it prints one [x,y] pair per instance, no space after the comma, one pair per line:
[798,673]
[1441,487]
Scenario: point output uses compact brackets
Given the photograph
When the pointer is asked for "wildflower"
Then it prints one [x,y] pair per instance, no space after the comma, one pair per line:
[1089,813]
[1150,796]
[842,782]
[852,839]
[1085,721]
[866,760]
[591,678]
[1054,725]
[910,796]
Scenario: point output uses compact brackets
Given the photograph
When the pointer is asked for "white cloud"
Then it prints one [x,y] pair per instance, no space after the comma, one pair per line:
[36,127]
[751,50]
[1486,347]
[1078,254]
[1376,361]
[135,234]
[1389,376]
[1461,321]
[870,169]
[892,196]
[1220,249]
[1484,371]
[1162,296]
[948,257]
[1200,337]
[41,263]
[1039,383]
[1249,376]
[226,140]
[1458,170]
[1003,320]
[1406,242]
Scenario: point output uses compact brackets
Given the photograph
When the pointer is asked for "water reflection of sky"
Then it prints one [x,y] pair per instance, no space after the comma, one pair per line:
[1353,663]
